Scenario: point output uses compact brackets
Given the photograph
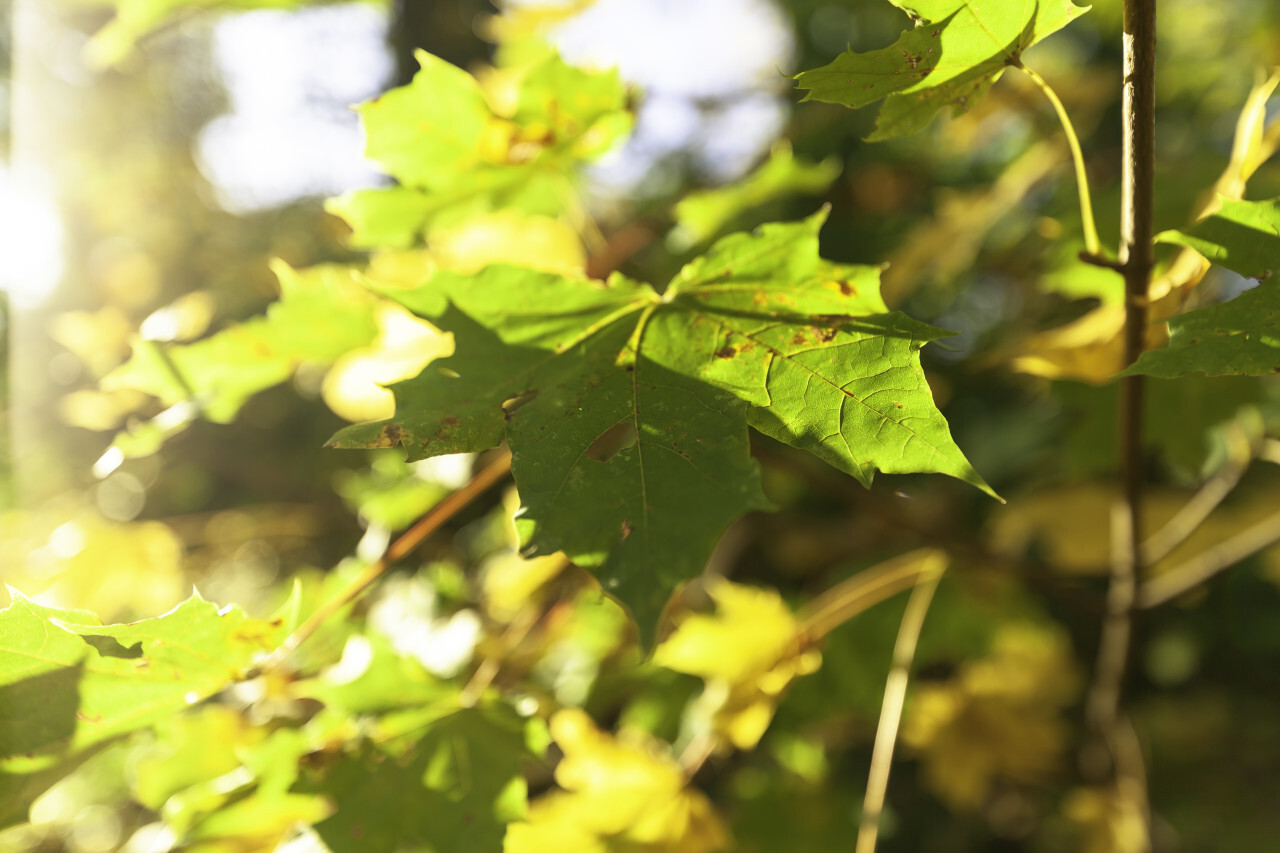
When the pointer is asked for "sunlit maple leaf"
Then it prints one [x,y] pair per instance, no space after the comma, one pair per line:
[457,155]
[71,684]
[951,57]
[749,652]
[618,794]
[626,410]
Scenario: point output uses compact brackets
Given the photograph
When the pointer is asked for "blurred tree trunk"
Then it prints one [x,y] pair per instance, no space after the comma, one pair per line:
[444,29]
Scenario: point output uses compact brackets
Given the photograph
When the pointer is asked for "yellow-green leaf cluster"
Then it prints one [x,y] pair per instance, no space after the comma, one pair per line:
[623,793]
[748,652]
[1000,717]
[460,151]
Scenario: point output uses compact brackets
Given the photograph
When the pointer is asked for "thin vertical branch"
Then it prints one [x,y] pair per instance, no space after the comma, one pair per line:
[895,691]
[1136,260]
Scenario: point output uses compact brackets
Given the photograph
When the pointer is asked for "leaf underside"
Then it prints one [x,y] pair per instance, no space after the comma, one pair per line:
[1240,337]
[626,411]
[951,57]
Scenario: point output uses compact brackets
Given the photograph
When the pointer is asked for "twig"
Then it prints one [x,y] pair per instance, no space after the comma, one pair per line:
[1206,564]
[895,691]
[399,549]
[1131,771]
[1099,260]
[1196,510]
[696,753]
[962,545]
[1102,707]
[848,598]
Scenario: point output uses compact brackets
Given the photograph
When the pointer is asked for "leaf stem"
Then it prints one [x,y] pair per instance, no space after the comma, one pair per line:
[1092,245]
[895,692]
[398,550]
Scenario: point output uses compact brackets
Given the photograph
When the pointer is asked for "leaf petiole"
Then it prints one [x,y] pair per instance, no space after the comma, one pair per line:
[1092,245]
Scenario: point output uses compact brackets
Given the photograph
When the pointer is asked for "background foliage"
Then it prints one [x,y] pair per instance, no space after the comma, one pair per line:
[170,403]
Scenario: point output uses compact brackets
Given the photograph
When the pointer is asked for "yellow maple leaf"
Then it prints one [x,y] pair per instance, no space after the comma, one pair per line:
[1091,348]
[749,652]
[999,718]
[617,793]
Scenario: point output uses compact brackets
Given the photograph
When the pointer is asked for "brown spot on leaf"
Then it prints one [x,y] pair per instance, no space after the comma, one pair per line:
[447,425]
[847,289]
[726,351]
[389,435]
[824,335]
[626,529]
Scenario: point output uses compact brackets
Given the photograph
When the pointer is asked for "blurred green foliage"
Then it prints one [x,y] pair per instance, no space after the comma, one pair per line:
[418,716]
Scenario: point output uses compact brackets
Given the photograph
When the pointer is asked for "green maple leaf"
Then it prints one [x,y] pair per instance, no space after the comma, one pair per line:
[455,156]
[626,410]
[323,313]
[69,684]
[453,785]
[1243,236]
[1240,337]
[953,55]
[703,215]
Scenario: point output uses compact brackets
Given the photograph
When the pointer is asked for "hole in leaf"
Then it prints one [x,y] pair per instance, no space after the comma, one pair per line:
[110,647]
[510,405]
[612,441]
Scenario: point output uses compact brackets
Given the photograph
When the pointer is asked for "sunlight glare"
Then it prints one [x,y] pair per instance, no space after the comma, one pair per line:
[31,235]
[291,78]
